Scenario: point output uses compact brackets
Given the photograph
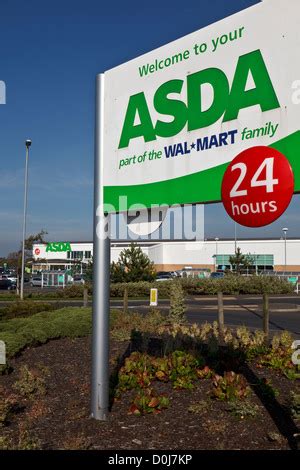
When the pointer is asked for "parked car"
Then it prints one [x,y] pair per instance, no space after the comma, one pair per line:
[78,279]
[217,275]
[35,282]
[164,277]
[7,284]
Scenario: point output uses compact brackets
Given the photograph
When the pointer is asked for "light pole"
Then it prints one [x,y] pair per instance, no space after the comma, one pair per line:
[27,144]
[216,240]
[235,224]
[285,230]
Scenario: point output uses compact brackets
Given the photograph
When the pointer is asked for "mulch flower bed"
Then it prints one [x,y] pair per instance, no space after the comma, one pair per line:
[59,418]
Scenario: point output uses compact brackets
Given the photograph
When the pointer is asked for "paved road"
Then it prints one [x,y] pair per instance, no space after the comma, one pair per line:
[240,310]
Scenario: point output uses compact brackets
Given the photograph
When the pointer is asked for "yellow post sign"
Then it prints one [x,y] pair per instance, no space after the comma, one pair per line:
[153,297]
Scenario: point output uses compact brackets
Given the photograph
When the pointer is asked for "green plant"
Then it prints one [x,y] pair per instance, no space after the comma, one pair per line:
[27,440]
[242,409]
[30,383]
[5,443]
[147,401]
[177,307]
[133,265]
[183,369]
[205,373]
[279,356]
[199,407]
[18,333]
[137,372]
[25,308]
[266,389]
[230,387]
[7,408]
[123,324]
[239,261]
[295,405]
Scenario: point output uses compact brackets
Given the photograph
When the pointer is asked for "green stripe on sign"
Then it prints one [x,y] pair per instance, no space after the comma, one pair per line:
[201,187]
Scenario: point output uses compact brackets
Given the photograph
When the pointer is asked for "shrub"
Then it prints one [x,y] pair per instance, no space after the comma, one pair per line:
[266,389]
[147,401]
[139,370]
[25,308]
[69,292]
[230,387]
[30,383]
[229,284]
[201,406]
[295,405]
[7,408]
[123,324]
[5,443]
[279,356]
[177,307]
[242,409]
[140,289]
[27,440]
[183,369]
[18,333]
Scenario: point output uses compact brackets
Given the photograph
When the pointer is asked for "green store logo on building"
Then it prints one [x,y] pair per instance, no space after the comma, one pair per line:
[58,247]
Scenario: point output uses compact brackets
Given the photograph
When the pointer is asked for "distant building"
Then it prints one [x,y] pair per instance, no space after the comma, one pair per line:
[172,255]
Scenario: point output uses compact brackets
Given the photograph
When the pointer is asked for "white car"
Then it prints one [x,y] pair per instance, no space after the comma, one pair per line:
[78,279]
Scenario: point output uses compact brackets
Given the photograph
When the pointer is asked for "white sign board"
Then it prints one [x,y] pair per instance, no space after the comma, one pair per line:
[175,117]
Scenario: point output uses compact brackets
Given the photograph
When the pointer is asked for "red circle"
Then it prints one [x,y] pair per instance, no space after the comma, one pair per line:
[37,251]
[257,186]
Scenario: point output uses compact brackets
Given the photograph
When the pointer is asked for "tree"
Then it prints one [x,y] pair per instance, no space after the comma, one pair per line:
[239,261]
[88,274]
[14,259]
[117,272]
[132,266]
[37,238]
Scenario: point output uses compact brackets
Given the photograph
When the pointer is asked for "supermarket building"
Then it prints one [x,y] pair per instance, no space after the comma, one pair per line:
[267,254]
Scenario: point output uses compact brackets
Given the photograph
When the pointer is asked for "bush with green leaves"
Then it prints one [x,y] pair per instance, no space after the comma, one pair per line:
[230,387]
[242,409]
[30,383]
[177,306]
[25,308]
[180,368]
[148,401]
[279,356]
[295,404]
[232,284]
[69,292]
[123,325]
[140,289]
[229,285]
[7,408]
[133,265]
[18,333]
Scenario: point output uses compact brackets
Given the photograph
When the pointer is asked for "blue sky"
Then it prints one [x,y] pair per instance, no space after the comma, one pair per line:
[50,53]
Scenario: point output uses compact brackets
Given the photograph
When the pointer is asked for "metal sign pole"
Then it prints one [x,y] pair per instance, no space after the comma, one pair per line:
[101,273]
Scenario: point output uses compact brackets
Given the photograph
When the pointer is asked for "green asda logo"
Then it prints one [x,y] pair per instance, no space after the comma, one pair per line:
[58,247]
[227,101]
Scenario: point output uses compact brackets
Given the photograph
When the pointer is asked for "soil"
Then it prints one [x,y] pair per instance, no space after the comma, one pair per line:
[60,419]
